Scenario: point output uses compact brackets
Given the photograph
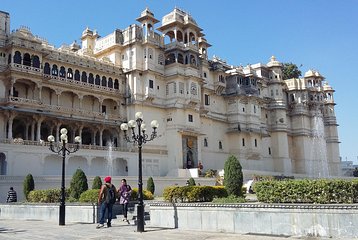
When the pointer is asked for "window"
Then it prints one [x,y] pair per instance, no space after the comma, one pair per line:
[205,142]
[276,92]
[151,84]
[271,93]
[243,109]
[181,88]
[204,74]
[254,109]
[243,142]
[269,149]
[220,145]
[255,142]
[190,118]
[207,99]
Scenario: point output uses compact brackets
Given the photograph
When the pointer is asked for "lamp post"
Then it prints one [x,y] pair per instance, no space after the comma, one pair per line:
[141,137]
[63,150]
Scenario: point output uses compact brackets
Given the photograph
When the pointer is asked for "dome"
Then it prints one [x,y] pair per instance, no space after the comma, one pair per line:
[273,62]
[309,73]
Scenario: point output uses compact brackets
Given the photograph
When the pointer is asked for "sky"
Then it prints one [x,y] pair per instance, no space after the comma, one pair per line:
[314,34]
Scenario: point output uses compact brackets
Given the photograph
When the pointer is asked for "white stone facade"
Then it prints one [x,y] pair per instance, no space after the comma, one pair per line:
[206,108]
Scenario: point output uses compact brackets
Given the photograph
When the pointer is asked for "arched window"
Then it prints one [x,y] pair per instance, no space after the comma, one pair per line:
[47,68]
[35,61]
[161,59]
[27,60]
[104,81]
[170,59]
[17,57]
[84,77]
[110,83]
[116,84]
[192,60]
[180,58]
[150,53]
[62,72]
[77,75]
[69,73]
[9,59]
[54,70]
[90,78]
[97,81]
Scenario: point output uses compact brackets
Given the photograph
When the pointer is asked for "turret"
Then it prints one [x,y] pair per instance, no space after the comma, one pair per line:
[4,27]
[147,20]
[203,47]
[88,40]
[276,69]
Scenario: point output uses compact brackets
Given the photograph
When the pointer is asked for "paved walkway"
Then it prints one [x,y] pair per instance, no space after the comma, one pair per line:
[34,229]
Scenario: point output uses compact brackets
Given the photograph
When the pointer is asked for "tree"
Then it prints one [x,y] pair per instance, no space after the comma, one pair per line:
[29,185]
[78,184]
[97,183]
[233,177]
[290,70]
[150,185]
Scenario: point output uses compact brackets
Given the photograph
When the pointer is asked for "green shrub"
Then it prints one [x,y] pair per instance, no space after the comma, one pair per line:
[233,177]
[78,184]
[191,182]
[146,195]
[229,199]
[320,191]
[46,196]
[150,185]
[193,193]
[97,183]
[29,185]
[90,196]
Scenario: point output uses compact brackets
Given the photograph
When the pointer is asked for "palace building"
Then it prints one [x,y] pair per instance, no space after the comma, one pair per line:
[207,109]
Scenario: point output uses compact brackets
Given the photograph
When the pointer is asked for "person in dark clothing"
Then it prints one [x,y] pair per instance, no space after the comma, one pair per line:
[11,195]
[104,203]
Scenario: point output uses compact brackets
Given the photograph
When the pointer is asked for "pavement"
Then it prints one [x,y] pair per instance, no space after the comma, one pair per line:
[35,229]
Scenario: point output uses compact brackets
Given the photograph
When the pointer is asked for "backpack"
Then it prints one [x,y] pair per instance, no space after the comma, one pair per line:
[111,195]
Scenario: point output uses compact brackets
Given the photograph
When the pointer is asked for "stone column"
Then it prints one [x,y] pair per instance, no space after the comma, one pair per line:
[9,131]
[33,130]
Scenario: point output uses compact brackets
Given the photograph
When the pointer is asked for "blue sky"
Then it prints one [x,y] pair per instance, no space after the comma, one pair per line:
[318,34]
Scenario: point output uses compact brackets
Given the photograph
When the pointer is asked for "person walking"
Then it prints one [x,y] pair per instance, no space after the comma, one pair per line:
[106,199]
[11,195]
[124,195]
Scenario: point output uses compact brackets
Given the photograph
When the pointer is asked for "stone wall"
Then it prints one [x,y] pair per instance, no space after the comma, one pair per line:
[281,219]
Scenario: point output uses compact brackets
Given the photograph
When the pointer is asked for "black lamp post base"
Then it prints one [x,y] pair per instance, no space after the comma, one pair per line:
[140,218]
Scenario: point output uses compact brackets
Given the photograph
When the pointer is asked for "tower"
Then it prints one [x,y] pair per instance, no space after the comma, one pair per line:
[278,119]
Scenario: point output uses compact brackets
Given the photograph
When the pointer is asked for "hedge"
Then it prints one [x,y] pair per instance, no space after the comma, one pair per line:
[46,196]
[321,191]
[193,193]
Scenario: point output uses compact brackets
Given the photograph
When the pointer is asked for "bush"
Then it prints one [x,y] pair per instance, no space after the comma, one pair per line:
[321,191]
[191,182]
[90,196]
[29,185]
[233,177]
[97,183]
[78,184]
[150,185]
[193,193]
[46,196]
[146,195]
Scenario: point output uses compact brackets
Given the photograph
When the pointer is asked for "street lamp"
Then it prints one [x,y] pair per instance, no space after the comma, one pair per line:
[141,137]
[62,149]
